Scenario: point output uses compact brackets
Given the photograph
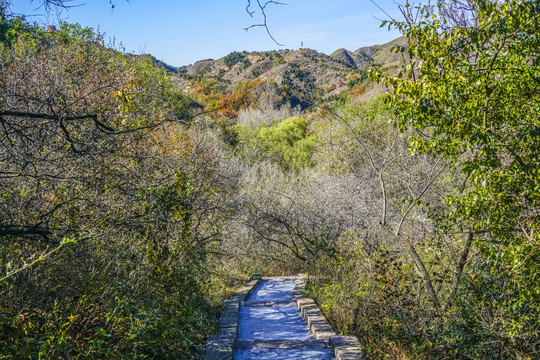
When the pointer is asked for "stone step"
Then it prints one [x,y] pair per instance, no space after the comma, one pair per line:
[280,344]
[282,354]
[268,303]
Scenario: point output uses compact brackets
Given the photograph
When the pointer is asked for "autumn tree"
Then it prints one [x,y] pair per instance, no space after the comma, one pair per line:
[108,204]
[470,87]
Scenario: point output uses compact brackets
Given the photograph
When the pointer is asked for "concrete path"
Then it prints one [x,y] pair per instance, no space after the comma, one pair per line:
[270,326]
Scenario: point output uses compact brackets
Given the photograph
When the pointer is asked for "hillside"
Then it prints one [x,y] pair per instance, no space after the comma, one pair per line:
[300,72]
[365,56]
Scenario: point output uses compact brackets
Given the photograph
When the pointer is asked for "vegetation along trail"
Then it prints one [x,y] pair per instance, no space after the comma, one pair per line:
[403,179]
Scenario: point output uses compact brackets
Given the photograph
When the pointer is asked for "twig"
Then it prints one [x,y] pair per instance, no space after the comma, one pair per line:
[41,257]
[380,8]
[264,23]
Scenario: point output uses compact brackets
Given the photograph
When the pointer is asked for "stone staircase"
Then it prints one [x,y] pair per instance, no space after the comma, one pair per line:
[269,318]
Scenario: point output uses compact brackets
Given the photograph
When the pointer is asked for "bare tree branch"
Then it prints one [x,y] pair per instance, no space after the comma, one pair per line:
[94,117]
[49,5]
[22,231]
[264,24]
[380,8]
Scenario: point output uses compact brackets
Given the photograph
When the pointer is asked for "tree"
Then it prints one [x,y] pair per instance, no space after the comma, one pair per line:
[470,85]
[287,143]
[406,188]
[101,177]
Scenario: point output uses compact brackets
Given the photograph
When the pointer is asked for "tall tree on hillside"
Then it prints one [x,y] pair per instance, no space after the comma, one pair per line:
[470,85]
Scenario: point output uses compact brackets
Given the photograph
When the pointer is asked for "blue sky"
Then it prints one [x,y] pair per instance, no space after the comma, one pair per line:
[182,32]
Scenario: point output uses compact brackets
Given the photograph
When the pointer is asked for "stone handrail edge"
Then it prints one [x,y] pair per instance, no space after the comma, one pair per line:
[222,346]
[344,347]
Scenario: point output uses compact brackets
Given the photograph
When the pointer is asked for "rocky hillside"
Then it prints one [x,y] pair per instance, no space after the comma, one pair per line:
[365,56]
[300,72]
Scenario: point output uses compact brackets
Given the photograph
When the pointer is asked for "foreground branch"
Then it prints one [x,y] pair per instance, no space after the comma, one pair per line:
[94,117]
[264,23]
[24,231]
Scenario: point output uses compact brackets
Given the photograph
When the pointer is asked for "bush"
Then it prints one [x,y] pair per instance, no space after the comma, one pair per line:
[101,233]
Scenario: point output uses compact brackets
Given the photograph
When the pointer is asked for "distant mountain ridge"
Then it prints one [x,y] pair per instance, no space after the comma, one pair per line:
[365,56]
[303,70]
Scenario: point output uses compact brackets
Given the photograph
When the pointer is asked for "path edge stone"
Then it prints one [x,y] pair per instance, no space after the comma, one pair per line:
[222,346]
[344,347]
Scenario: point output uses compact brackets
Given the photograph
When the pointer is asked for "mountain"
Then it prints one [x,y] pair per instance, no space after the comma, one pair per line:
[365,56]
[344,56]
[302,71]
[381,54]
